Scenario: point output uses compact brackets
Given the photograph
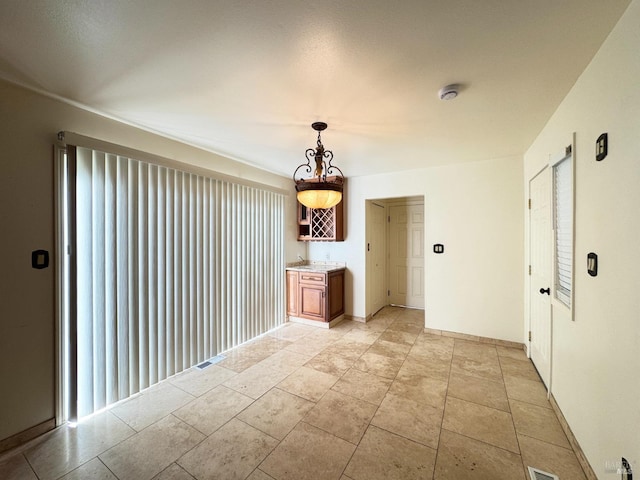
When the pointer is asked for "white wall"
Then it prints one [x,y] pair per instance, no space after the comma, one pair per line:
[596,359]
[475,210]
[27,304]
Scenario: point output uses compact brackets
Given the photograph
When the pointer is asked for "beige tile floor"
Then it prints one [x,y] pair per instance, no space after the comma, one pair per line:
[381,400]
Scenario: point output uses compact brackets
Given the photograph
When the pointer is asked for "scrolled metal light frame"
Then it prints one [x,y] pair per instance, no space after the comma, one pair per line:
[324,169]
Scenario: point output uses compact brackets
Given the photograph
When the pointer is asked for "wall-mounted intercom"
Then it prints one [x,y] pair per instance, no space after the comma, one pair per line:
[592,264]
[602,145]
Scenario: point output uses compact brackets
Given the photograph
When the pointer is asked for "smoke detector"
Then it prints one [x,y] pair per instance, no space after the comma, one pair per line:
[449,92]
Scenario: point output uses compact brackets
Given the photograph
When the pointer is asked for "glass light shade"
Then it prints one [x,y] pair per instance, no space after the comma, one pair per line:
[319,198]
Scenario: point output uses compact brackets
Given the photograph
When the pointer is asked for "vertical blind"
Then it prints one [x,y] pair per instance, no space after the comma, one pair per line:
[563,226]
[172,269]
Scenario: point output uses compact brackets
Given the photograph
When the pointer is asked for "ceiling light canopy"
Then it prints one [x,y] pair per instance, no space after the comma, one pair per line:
[324,188]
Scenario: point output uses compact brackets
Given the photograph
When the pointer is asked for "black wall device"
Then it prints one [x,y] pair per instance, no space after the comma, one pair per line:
[592,264]
[602,147]
[39,259]
[627,473]
[438,248]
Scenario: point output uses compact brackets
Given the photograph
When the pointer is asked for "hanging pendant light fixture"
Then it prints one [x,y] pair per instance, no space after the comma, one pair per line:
[323,189]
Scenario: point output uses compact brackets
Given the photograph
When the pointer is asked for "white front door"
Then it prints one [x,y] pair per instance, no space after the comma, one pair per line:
[540,236]
[406,255]
[376,254]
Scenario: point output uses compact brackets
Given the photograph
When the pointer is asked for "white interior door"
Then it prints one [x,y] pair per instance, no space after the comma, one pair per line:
[540,279]
[376,248]
[406,255]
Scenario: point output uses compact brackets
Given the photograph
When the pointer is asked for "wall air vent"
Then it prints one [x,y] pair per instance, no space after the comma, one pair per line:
[537,474]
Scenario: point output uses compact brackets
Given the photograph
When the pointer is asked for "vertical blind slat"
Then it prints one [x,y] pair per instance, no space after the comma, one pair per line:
[152,296]
[169,235]
[111,287]
[218,271]
[143,278]
[184,321]
[84,253]
[99,299]
[161,256]
[134,377]
[199,268]
[122,276]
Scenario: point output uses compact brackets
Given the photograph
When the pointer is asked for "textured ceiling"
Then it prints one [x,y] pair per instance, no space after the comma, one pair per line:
[247,78]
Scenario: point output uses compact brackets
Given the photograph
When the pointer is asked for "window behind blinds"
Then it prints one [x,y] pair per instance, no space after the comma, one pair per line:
[563,226]
[172,268]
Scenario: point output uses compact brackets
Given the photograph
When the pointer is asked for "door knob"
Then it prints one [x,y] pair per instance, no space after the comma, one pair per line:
[545,290]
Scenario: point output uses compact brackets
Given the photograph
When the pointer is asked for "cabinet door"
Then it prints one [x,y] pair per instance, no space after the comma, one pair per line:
[312,301]
[336,294]
[292,293]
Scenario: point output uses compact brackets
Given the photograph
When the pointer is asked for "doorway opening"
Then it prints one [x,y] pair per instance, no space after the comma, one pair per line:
[395,273]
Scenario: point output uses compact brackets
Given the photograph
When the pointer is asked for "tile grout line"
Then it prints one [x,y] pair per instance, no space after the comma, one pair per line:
[29,463]
[342,473]
[513,422]
[303,418]
[444,409]
[509,412]
[105,466]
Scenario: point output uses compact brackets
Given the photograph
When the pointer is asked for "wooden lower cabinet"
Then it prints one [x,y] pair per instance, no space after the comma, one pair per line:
[292,293]
[315,295]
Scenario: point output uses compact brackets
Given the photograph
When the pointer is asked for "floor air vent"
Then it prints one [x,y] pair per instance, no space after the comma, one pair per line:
[211,361]
[537,474]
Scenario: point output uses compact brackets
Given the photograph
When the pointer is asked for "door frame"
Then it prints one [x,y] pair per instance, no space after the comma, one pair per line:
[65,326]
[387,202]
[544,170]
[370,301]
[60,163]
[555,305]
